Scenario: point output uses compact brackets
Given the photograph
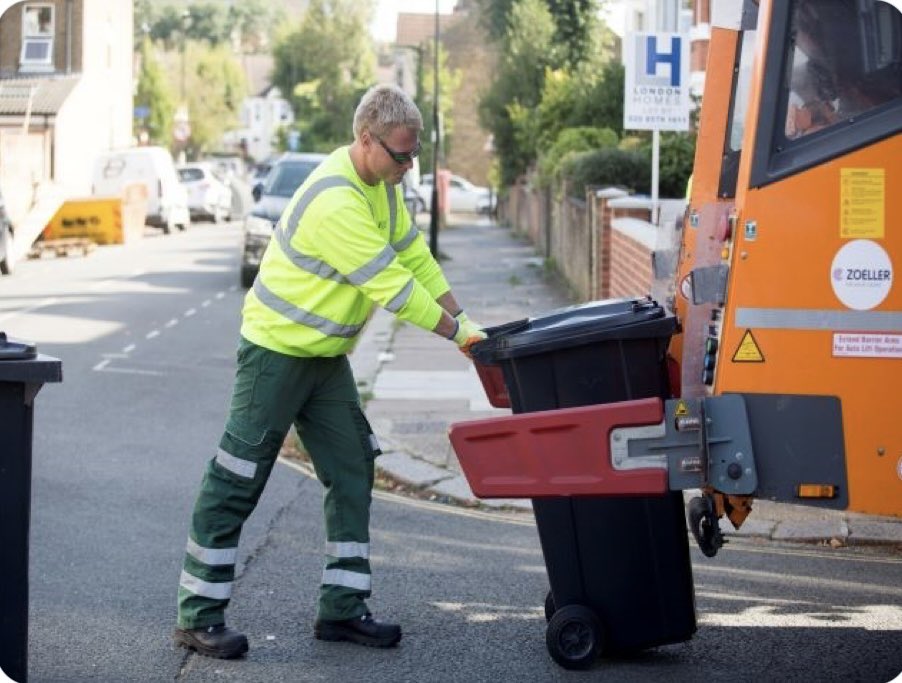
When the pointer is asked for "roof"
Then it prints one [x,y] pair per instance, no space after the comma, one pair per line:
[47,94]
[415,29]
[258,71]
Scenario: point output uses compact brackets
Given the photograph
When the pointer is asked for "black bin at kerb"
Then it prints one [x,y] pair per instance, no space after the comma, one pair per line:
[627,558]
[22,373]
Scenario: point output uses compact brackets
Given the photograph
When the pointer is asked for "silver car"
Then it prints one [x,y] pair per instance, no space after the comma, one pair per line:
[270,198]
[208,195]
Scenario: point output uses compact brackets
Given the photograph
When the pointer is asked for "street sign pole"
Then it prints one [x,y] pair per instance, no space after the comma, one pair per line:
[655,173]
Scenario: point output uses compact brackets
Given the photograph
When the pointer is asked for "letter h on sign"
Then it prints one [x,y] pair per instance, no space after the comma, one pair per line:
[649,74]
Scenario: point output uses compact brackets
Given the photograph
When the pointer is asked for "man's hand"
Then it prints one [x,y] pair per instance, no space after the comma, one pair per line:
[468,333]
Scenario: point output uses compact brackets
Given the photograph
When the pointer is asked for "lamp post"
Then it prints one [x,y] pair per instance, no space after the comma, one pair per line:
[182,119]
[433,214]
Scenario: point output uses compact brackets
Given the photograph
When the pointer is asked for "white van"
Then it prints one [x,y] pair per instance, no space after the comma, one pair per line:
[167,198]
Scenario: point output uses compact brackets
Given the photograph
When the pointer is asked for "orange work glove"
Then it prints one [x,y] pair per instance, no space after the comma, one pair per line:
[468,333]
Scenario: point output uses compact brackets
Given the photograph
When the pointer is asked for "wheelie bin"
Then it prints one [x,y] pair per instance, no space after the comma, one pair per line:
[22,373]
[618,567]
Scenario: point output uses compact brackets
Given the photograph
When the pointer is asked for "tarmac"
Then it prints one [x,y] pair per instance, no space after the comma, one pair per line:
[415,385]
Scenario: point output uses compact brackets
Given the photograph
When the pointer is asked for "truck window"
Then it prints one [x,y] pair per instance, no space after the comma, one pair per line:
[843,62]
[833,83]
[741,90]
[729,171]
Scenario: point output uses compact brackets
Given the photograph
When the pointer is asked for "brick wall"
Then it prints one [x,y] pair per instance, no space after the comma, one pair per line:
[11,37]
[601,246]
[631,273]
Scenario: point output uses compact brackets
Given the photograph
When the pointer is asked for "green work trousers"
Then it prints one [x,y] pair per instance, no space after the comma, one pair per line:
[272,391]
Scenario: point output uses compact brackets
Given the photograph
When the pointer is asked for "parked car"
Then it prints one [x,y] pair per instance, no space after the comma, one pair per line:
[270,198]
[167,199]
[229,168]
[208,196]
[464,196]
[6,241]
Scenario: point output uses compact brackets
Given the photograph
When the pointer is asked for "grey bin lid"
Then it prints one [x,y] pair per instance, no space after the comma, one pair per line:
[597,321]
[20,362]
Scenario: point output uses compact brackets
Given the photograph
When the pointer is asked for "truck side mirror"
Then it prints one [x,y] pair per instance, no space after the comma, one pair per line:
[257,191]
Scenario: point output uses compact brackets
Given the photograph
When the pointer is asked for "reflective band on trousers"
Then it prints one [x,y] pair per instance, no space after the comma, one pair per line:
[243,468]
[212,557]
[342,577]
[347,549]
[205,589]
[287,309]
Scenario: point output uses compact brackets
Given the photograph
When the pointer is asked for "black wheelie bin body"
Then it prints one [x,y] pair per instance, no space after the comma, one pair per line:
[22,373]
[626,558]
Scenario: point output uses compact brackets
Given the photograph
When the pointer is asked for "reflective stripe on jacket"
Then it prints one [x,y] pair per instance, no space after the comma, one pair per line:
[339,247]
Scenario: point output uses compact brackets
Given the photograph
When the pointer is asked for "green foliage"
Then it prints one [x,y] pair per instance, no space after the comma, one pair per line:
[210,22]
[153,91]
[610,166]
[527,51]
[323,67]
[569,141]
[494,16]
[215,87]
[448,82]
[677,154]
[576,21]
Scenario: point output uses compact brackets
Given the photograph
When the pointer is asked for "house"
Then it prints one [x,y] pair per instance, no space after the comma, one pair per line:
[263,113]
[65,95]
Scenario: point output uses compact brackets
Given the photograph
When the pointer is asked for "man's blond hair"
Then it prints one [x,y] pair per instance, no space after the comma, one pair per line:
[384,108]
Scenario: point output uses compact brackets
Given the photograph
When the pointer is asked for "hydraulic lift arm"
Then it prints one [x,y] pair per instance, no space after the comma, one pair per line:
[732,447]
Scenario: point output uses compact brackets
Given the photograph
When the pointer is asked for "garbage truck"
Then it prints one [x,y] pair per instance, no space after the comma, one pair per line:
[770,370]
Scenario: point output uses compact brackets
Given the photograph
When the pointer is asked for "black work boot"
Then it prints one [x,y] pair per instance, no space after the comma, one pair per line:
[213,641]
[363,630]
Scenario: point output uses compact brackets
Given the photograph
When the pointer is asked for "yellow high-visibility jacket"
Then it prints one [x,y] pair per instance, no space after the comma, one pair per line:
[340,247]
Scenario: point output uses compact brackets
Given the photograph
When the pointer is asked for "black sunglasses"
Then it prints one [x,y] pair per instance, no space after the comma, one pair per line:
[400,157]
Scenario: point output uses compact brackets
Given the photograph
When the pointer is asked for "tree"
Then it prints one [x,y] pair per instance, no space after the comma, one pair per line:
[448,83]
[576,23]
[208,22]
[215,89]
[324,66]
[527,52]
[494,15]
[153,93]
[251,20]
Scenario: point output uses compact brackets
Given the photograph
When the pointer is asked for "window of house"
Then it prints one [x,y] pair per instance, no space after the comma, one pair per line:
[37,37]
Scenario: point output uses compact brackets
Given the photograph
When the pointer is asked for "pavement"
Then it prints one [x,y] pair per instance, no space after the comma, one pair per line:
[415,385]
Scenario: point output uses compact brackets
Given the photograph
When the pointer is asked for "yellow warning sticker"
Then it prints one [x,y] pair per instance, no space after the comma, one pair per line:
[681,409]
[748,350]
[862,205]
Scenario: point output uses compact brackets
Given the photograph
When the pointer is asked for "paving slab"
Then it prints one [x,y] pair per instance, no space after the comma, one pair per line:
[412,471]
[811,530]
[863,531]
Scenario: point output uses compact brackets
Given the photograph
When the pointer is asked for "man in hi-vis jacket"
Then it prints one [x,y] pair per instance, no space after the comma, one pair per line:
[344,243]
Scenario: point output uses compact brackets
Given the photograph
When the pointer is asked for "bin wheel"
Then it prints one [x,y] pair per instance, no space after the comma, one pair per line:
[574,637]
[549,606]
